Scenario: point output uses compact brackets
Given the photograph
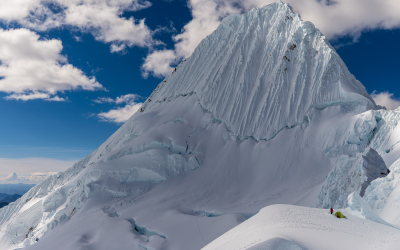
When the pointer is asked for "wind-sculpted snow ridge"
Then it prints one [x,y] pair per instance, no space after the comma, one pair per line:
[262,71]
[299,228]
[263,112]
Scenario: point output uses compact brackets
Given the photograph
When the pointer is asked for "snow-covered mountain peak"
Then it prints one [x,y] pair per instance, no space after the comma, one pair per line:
[263,112]
[261,72]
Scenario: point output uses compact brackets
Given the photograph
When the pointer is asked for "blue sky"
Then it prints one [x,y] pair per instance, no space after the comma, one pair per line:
[70,130]
[92,63]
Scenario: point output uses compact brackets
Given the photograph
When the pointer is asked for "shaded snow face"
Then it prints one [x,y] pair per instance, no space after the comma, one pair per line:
[374,167]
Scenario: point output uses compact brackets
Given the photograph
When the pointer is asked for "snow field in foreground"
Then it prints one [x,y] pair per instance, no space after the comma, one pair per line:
[296,228]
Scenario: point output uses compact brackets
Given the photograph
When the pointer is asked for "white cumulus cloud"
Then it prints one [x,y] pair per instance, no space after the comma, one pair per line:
[334,18]
[34,68]
[102,18]
[121,114]
[159,63]
[386,99]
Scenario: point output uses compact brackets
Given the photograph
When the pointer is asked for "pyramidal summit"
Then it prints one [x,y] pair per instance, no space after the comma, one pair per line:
[247,144]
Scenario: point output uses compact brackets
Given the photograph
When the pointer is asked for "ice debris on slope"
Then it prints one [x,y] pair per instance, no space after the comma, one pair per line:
[352,174]
[360,208]
[383,195]
[357,163]
[375,129]
[261,72]
[354,135]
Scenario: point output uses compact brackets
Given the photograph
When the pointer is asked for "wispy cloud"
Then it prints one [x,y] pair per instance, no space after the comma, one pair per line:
[26,166]
[120,114]
[34,96]
[386,99]
[33,178]
[129,98]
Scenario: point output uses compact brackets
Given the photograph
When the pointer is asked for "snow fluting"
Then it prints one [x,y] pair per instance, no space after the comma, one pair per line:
[263,112]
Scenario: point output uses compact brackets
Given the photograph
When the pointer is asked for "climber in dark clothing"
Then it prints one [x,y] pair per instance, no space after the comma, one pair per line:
[331,210]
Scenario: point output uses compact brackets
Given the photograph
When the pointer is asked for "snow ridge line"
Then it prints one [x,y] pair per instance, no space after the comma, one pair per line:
[242,138]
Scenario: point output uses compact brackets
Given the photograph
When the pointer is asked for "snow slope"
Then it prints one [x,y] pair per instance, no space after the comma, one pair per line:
[299,228]
[263,112]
